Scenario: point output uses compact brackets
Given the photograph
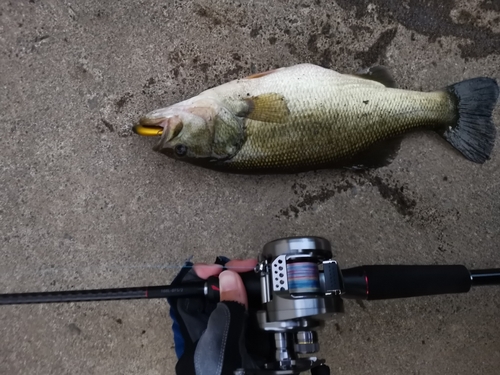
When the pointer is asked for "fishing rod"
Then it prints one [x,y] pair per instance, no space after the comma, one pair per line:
[357,284]
[294,287]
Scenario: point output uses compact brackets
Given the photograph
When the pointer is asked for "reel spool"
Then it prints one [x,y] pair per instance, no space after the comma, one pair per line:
[301,285]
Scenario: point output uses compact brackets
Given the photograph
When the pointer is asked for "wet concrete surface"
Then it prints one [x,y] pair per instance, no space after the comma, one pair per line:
[84,203]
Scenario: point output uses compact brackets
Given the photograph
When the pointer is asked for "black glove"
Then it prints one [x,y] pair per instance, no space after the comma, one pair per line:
[211,338]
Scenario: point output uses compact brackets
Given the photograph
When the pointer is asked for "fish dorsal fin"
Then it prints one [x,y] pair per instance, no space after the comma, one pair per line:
[262,74]
[269,107]
[379,74]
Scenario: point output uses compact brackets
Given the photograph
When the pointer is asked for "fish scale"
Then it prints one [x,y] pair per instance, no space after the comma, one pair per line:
[334,122]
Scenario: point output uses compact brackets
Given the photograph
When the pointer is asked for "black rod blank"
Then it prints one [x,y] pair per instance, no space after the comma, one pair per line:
[162,291]
[485,277]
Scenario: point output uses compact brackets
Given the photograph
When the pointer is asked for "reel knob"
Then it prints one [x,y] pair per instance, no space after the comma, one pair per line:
[306,342]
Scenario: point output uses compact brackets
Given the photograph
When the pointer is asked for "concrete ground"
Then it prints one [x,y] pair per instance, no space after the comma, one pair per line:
[84,203]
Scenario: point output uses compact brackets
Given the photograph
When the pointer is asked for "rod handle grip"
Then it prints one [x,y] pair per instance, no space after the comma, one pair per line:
[402,281]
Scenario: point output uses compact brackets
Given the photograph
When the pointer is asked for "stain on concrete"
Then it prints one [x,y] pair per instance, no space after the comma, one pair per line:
[439,219]
[255,31]
[73,328]
[432,18]
[108,125]
[377,51]
[311,43]
[357,29]
[389,189]
[123,100]
[490,5]
[207,13]
[394,192]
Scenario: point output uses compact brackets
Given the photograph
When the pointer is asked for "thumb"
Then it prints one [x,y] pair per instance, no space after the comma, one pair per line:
[232,288]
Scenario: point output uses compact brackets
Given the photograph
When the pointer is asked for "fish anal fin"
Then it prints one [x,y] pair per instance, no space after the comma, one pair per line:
[269,107]
[379,74]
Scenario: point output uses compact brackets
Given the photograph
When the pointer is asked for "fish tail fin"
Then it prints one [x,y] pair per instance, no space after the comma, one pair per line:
[473,132]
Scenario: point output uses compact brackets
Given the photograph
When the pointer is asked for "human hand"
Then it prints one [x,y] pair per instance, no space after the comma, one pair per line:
[230,283]
[210,337]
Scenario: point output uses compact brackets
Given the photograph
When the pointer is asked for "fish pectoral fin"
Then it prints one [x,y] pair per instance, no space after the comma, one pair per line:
[269,107]
[379,154]
[378,74]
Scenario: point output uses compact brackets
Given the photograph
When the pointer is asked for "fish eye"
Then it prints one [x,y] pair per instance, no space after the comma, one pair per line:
[180,150]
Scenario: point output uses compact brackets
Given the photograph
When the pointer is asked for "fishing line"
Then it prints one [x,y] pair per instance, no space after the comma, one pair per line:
[303,277]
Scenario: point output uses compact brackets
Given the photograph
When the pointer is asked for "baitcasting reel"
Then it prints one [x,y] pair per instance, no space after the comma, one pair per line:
[300,286]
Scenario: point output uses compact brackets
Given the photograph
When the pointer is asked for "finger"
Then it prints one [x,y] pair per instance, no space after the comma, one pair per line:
[241,265]
[204,271]
[232,288]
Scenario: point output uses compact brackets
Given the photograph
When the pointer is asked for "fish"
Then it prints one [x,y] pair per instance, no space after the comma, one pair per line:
[306,117]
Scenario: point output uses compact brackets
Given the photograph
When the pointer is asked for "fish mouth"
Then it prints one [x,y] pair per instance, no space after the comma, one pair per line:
[165,128]
[149,127]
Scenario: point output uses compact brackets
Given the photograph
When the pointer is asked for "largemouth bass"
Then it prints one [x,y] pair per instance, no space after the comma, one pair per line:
[307,117]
